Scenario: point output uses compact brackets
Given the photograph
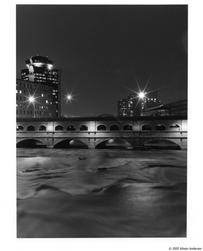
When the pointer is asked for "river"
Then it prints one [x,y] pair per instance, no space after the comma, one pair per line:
[101,193]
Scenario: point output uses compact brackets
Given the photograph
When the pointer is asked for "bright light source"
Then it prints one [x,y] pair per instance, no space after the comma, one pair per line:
[31,99]
[50,66]
[141,95]
[37,64]
[69,97]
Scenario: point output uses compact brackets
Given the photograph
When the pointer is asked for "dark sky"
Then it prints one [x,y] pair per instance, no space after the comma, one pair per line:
[104,50]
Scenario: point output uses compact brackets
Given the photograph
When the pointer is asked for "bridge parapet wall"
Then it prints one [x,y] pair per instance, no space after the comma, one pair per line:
[93,131]
[170,124]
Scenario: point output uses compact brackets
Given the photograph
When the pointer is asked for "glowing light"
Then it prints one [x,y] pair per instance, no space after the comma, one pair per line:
[31,69]
[69,97]
[49,66]
[31,99]
[38,64]
[141,95]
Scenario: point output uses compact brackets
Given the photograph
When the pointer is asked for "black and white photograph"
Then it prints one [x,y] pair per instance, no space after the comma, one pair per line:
[101,121]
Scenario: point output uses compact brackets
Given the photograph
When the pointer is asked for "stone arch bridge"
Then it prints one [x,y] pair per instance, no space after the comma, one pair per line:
[96,132]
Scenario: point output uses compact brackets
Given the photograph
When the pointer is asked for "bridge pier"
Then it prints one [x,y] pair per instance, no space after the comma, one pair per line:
[50,146]
[91,143]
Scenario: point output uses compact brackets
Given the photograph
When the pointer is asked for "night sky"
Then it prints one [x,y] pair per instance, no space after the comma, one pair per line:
[104,51]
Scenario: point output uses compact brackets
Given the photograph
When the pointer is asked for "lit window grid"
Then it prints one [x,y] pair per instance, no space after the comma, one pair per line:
[48,97]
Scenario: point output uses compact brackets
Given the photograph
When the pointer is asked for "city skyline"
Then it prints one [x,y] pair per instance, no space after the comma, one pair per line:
[101,121]
[103,51]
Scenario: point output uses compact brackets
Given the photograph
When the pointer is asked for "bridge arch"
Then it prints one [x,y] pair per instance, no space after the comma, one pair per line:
[146,127]
[83,128]
[101,128]
[71,143]
[31,128]
[42,128]
[162,144]
[114,127]
[127,127]
[30,143]
[59,128]
[116,143]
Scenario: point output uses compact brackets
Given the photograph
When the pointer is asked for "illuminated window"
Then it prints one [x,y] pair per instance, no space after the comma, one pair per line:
[42,95]
[47,101]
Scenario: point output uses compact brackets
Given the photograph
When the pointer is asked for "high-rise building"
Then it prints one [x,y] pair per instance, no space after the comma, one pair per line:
[151,100]
[129,107]
[41,70]
[135,106]
[38,90]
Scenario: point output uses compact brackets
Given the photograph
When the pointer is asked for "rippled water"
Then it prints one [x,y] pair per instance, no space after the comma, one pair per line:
[101,193]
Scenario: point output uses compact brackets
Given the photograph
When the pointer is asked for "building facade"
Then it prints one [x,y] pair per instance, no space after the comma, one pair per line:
[151,100]
[129,107]
[41,70]
[38,90]
[134,106]
[177,108]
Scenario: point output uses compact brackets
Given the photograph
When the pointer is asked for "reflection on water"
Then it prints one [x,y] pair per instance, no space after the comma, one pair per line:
[101,193]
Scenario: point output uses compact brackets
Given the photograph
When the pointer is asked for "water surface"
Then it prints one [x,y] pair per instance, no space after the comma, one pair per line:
[101,193]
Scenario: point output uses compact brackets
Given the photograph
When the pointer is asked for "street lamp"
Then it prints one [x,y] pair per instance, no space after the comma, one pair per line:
[141,95]
[142,98]
[69,97]
[31,100]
